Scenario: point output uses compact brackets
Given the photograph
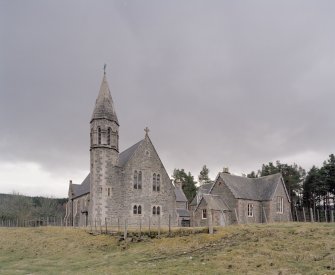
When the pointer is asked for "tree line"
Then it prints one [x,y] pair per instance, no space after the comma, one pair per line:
[312,189]
[15,206]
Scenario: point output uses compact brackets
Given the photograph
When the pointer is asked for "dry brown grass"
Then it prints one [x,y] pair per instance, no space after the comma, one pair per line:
[292,248]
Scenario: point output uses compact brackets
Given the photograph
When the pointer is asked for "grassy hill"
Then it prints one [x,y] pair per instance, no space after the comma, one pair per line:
[292,248]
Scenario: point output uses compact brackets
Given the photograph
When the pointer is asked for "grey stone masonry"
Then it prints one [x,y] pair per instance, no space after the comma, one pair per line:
[246,200]
[132,186]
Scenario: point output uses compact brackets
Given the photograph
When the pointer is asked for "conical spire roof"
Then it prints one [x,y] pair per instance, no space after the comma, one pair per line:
[104,106]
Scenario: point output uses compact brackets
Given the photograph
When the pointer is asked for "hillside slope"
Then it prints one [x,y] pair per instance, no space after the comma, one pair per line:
[292,248]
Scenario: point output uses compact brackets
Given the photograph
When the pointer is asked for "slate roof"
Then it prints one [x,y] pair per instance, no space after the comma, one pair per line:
[104,106]
[183,213]
[215,202]
[81,189]
[259,189]
[204,189]
[125,156]
[180,196]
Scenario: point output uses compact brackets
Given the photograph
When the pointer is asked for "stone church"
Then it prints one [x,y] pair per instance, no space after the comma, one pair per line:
[130,186]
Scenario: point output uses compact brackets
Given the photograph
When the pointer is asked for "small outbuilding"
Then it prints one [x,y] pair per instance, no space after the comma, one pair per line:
[240,200]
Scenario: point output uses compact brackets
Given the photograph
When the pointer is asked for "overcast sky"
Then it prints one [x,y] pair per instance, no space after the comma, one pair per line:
[221,83]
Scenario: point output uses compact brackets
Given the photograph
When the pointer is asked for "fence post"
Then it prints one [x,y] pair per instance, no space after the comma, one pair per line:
[106,224]
[210,222]
[296,213]
[140,227]
[266,219]
[169,224]
[149,226]
[311,213]
[318,212]
[326,217]
[159,226]
[236,216]
[125,229]
[95,225]
[118,224]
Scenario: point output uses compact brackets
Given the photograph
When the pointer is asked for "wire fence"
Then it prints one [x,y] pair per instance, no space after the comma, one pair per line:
[150,226]
[42,221]
[303,214]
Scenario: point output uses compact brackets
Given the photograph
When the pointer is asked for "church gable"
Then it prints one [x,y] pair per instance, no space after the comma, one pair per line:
[145,159]
[147,183]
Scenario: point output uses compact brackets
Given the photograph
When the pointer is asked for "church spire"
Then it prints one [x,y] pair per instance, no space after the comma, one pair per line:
[104,106]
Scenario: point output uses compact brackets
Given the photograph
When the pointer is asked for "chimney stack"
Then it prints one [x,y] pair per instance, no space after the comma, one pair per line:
[177,183]
[225,170]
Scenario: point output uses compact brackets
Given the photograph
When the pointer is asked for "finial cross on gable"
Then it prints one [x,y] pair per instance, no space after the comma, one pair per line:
[146,130]
[105,68]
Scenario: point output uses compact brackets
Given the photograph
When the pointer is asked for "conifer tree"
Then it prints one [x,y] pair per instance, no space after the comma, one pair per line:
[203,176]
[187,181]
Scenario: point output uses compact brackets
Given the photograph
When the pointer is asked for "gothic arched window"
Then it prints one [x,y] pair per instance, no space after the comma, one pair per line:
[154,210]
[139,210]
[154,182]
[109,136]
[158,183]
[135,210]
[158,210]
[135,179]
[139,180]
[91,136]
[99,135]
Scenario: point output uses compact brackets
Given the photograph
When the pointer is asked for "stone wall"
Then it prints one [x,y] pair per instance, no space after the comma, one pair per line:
[196,216]
[76,210]
[242,211]
[146,160]
[220,188]
[272,211]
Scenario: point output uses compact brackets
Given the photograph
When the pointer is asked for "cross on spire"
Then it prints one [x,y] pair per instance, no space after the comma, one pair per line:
[146,130]
[105,65]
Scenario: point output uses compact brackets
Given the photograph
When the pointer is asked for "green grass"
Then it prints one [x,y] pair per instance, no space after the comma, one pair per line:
[291,248]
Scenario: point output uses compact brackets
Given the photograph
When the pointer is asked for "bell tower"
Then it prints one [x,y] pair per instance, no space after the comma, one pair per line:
[104,150]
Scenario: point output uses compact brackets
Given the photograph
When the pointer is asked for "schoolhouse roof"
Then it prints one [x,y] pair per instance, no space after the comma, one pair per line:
[180,196]
[260,189]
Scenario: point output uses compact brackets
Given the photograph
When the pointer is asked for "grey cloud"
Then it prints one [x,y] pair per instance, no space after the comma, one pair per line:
[216,81]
